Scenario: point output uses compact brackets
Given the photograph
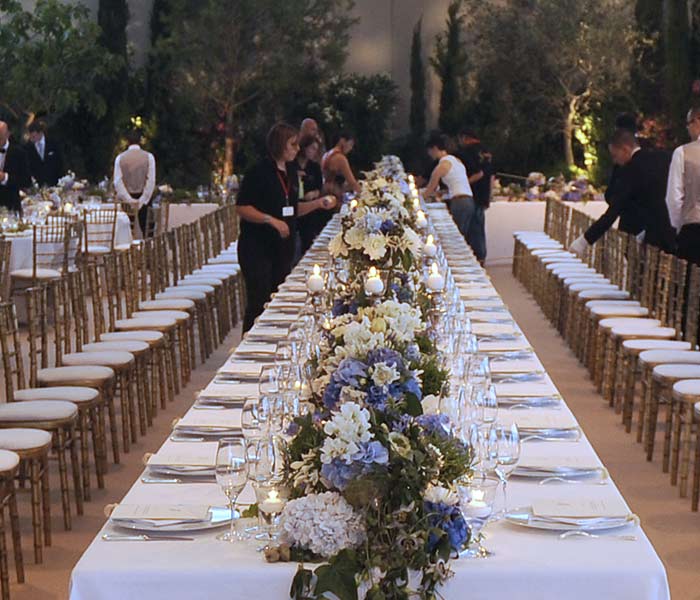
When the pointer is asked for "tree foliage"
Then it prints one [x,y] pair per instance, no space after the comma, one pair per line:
[51,61]
[418,100]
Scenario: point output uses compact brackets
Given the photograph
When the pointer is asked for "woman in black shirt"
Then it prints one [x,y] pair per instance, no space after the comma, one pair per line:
[311,184]
[268,207]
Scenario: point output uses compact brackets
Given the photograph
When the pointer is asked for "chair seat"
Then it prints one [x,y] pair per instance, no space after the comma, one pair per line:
[593,286]
[75,375]
[149,337]
[171,304]
[123,247]
[591,278]
[176,315]
[201,279]
[230,268]
[24,438]
[223,260]
[40,274]
[8,460]
[643,332]
[108,359]
[145,323]
[603,294]
[628,322]
[132,346]
[688,387]
[658,357]
[641,345]
[68,393]
[184,293]
[96,249]
[593,303]
[36,411]
[620,311]
[196,287]
[222,275]
[676,371]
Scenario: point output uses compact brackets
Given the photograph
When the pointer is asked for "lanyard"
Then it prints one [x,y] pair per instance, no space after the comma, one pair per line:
[285,186]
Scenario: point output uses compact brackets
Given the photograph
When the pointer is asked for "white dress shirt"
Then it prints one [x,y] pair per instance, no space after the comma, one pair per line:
[2,163]
[41,147]
[122,193]
[675,189]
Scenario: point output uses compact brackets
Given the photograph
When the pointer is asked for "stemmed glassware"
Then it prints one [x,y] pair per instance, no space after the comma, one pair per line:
[488,400]
[232,475]
[507,452]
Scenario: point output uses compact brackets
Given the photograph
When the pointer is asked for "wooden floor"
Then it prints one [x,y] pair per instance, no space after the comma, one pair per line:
[673,529]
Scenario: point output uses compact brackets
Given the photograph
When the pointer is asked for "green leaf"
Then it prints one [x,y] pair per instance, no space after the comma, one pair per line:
[338,579]
[413,405]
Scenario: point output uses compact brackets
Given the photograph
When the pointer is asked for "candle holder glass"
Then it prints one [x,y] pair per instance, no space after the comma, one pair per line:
[476,499]
[271,498]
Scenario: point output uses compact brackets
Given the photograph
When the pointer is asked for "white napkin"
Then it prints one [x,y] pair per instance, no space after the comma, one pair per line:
[272,333]
[228,418]
[485,292]
[248,347]
[270,316]
[525,388]
[186,454]
[490,303]
[515,366]
[486,329]
[230,390]
[160,512]
[533,420]
[504,345]
[488,316]
[549,462]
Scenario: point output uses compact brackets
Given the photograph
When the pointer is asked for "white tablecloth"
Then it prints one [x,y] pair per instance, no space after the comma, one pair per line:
[527,565]
[22,247]
[503,218]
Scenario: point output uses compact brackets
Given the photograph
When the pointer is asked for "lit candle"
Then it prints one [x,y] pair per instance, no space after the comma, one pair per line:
[273,504]
[411,180]
[430,248]
[477,505]
[315,282]
[353,204]
[67,207]
[436,282]
[421,221]
[416,202]
[373,284]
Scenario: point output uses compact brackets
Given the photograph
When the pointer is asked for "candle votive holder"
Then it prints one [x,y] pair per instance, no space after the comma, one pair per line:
[271,498]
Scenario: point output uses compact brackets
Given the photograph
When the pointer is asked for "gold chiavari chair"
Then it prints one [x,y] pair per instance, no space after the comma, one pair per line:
[99,230]
[30,408]
[686,396]
[33,446]
[5,255]
[9,463]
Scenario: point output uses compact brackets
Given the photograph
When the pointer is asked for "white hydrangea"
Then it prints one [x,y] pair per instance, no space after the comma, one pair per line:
[383,374]
[439,494]
[323,523]
[355,237]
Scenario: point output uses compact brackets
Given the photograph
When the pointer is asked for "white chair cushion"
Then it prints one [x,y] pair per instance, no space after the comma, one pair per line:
[223,260]
[68,393]
[177,315]
[637,331]
[620,311]
[184,293]
[144,323]
[196,287]
[120,346]
[593,286]
[601,294]
[109,359]
[588,279]
[593,303]
[123,247]
[200,279]
[139,336]
[222,275]
[96,249]
[549,252]
[677,371]
[40,274]
[657,357]
[690,387]
[655,345]
[628,322]
[172,304]
[96,373]
[23,438]
[230,268]
[37,411]
[8,460]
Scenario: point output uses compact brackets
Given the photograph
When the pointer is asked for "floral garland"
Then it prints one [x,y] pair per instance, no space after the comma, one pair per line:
[369,470]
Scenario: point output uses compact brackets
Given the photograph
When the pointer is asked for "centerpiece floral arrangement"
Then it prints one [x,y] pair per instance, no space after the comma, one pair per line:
[538,187]
[369,468]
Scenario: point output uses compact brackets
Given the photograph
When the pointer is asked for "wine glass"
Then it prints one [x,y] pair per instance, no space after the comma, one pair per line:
[269,380]
[476,498]
[231,475]
[249,420]
[488,400]
[507,451]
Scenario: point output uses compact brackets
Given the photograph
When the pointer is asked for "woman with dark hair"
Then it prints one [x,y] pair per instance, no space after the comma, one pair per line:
[337,174]
[310,186]
[268,206]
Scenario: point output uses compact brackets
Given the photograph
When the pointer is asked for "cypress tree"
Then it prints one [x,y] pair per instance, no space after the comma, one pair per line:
[418,101]
[676,44]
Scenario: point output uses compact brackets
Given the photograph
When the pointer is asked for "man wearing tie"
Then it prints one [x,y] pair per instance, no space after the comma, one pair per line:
[44,156]
[14,172]
[135,177]
[638,198]
[683,193]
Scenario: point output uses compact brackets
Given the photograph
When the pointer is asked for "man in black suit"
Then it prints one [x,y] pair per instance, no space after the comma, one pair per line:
[14,172]
[44,156]
[639,197]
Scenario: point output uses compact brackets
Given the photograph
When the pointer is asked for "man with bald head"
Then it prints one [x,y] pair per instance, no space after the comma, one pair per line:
[14,171]
[309,127]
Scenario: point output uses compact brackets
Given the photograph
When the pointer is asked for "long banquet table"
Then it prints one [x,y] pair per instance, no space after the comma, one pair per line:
[527,564]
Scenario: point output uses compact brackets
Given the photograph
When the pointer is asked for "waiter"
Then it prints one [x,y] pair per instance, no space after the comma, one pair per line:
[43,155]
[135,177]
[683,192]
[638,198]
[14,172]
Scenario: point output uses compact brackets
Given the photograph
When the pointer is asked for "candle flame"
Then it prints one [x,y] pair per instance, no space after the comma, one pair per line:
[478,495]
[372,272]
[434,269]
[353,204]
[317,270]
[430,239]
[273,496]
[421,214]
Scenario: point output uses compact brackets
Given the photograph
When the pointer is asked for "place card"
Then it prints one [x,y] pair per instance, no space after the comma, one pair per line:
[485,292]
[248,347]
[272,333]
[486,329]
[580,508]
[504,345]
[549,462]
[241,368]
[226,419]
[224,390]
[530,420]
[525,389]
[160,512]
[514,366]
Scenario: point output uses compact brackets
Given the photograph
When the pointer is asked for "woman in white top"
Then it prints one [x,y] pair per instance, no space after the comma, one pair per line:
[460,200]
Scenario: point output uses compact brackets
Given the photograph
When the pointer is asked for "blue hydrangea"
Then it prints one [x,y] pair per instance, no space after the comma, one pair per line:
[413,352]
[386,226]
[338,473]
[376,397]
[341,307]
[404,295]
[387,356]
[372,453]
[411,386]
[449,519]
[435,424]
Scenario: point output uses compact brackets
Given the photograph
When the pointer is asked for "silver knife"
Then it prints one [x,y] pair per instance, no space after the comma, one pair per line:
[117,537]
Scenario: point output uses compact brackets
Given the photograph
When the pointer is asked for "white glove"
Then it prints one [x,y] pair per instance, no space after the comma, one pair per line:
[579,246]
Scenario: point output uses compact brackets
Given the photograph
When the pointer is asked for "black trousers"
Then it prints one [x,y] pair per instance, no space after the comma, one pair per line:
[688,243]
[263,269]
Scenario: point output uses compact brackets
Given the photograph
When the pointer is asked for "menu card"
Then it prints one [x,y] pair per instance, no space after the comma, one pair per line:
[161,512]
[229,419]
[242,368]
[580,508]
[239,391]
[183,454]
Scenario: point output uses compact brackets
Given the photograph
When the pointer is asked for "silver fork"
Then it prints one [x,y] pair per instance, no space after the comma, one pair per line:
[584,534]
[112,537]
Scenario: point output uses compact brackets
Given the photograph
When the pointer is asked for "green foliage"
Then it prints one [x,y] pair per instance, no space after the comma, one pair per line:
[450,62]
[676,47]
[434,376]
[418,100]
[51,61]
